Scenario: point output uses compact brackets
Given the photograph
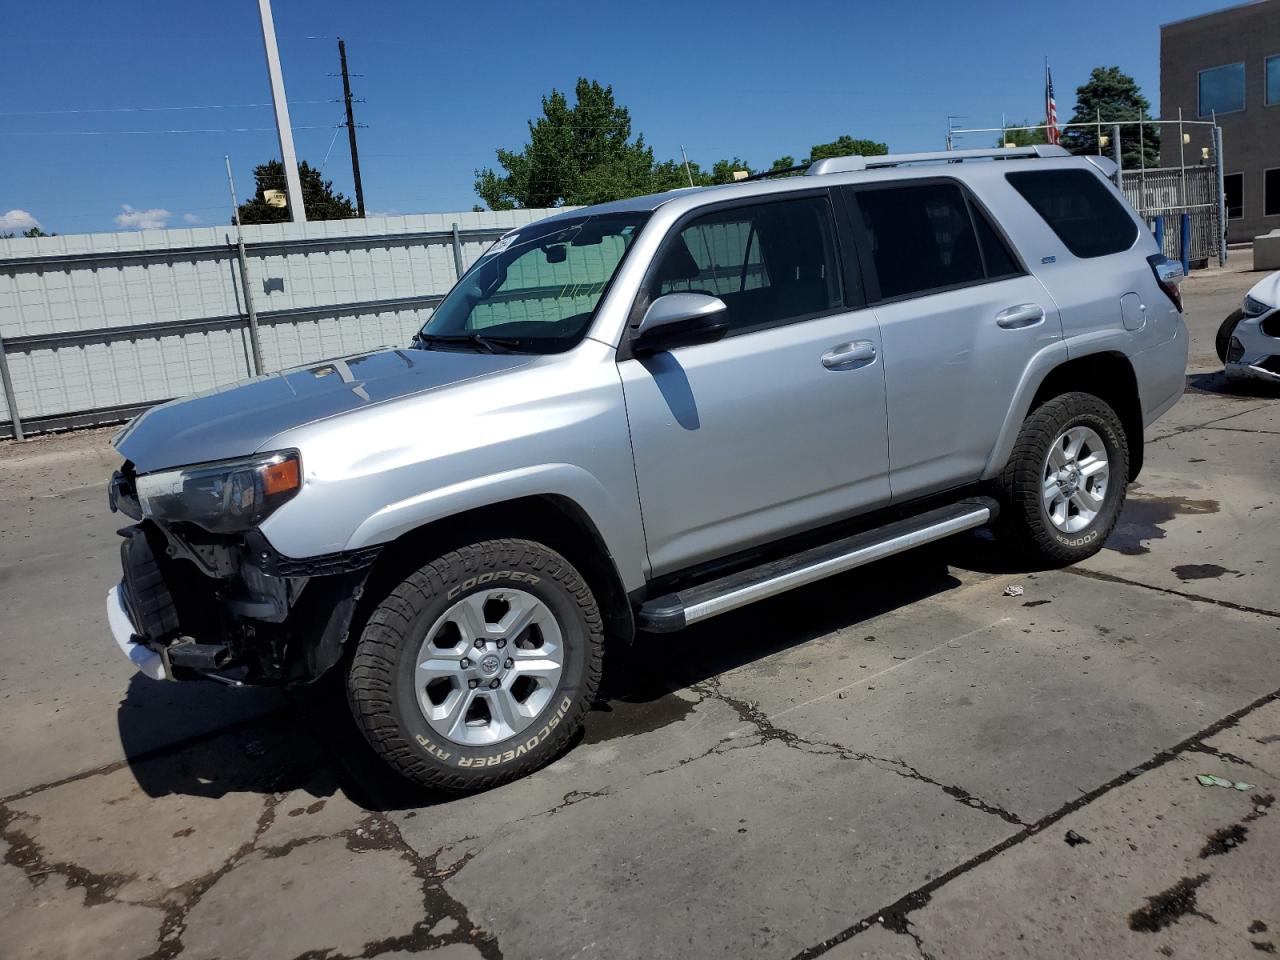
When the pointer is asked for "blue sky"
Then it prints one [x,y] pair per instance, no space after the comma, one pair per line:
[446,83]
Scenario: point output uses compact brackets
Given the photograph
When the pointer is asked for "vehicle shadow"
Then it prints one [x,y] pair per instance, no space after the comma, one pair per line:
[307,740]
[1219,384]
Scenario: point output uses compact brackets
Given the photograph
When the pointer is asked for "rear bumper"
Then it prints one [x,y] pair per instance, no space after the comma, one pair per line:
[141,656]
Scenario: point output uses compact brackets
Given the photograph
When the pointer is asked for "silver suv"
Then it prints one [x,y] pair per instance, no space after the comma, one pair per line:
[640,415]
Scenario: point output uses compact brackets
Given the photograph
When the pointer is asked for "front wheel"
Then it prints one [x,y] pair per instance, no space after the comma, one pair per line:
[479,666]
[1064,485]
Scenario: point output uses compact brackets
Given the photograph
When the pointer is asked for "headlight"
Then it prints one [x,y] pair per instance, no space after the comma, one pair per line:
[223,497]
[1253,308]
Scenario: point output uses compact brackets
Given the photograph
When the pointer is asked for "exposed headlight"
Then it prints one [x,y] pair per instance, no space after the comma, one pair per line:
[1253,308]
[227,496]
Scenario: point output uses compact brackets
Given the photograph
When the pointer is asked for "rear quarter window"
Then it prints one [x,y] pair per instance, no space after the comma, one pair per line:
[1079,208]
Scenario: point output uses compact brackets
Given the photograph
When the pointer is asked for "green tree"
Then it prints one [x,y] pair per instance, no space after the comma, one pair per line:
[1022,137]
[847,146]
[1114,96]
[577,154]
[318,196]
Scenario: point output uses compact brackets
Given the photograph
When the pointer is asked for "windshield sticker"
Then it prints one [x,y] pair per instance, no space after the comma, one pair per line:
[502,244]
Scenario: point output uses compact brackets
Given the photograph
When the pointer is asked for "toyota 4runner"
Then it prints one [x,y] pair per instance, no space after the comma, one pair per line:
[640,415]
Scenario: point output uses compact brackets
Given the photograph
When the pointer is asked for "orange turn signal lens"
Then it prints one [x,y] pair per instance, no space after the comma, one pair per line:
[281,477]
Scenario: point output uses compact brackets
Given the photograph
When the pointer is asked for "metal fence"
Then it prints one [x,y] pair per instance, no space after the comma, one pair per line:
[1162,195]
[95,328]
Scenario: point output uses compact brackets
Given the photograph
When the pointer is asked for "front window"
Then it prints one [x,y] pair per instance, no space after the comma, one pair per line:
[537,289]
[1222,90]
[1273,81]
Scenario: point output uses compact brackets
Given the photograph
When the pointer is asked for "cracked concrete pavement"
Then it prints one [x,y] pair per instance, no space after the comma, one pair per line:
[886,764]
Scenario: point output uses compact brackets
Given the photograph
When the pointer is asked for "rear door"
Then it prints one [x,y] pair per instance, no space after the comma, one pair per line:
[960,318]
[780,425]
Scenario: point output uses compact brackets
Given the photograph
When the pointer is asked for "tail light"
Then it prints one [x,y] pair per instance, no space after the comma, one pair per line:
[1169,274]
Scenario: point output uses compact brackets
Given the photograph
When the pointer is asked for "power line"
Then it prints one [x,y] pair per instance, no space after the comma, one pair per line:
[114,133]
[205,106]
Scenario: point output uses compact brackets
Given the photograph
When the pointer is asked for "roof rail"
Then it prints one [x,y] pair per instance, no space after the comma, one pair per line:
[853,164]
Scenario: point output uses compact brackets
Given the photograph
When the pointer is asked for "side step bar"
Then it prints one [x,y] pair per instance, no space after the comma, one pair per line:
[675,611]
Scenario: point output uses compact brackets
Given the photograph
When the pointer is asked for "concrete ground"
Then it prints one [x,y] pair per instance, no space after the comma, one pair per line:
[899,763]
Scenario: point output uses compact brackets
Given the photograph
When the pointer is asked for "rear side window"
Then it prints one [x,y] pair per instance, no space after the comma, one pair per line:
[1000,262]
[768,262]
[920,238]
[1079,208]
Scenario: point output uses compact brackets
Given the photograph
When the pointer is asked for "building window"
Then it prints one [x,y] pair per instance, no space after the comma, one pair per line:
[1233,194]
[1271,192]
[1273,81]
[1222,90]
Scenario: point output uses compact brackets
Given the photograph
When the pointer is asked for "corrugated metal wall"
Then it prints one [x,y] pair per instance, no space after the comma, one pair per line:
[97,326]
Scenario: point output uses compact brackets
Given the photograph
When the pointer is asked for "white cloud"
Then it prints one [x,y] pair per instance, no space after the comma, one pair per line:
[191,219]
[131,218]
[16,221]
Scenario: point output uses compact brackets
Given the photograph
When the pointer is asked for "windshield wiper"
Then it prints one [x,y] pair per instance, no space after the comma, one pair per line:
[478,340]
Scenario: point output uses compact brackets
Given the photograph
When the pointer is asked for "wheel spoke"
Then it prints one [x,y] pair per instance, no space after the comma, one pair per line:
[1052,492]
[502,711]
[438,666]
[1087,502]
[1075,438]
[469,617]
[1094,465]
[538,666]
[524,609]
[1057,456]
[454,723]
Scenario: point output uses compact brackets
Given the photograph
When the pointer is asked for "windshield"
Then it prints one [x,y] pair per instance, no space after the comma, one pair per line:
[537,289]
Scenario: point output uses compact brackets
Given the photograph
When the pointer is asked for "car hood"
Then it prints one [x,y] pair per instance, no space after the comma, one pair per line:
[238,419]
[1267,289]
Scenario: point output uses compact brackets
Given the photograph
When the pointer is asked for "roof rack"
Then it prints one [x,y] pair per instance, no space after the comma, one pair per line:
[854,164]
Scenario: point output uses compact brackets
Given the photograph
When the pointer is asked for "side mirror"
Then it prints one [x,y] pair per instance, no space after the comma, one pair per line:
[679,320]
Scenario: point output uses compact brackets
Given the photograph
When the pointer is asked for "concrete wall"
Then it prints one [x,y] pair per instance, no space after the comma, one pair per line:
[98,326]
[1250,33]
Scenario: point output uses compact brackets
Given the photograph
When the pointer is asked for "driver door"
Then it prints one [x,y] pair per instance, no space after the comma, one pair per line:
[777,427]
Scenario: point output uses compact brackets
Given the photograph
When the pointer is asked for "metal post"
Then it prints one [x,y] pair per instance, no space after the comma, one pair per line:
[1115,148]
[244,276]
[1182,160]
[1184,243]
[9,398]
[1222,195]
[687,172]
[351,129]
[293,184]
[1097,135]
[457,252]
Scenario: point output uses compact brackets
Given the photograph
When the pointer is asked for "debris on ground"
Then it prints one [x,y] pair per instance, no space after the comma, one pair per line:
[1014,590]
[1074,839]
[1208,780]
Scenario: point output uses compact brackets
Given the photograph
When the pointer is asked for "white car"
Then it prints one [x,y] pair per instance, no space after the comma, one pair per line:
[1249,339]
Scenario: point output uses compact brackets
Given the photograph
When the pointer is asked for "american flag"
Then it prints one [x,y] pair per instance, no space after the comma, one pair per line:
[1050,108]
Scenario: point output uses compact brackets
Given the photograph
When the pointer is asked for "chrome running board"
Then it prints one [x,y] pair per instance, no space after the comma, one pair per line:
[674,611]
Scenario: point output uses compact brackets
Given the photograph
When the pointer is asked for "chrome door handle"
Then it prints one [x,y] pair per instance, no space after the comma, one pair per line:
[847,356]
[1023,315]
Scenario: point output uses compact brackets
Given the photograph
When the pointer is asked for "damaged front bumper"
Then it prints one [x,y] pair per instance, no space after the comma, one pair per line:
[191,605]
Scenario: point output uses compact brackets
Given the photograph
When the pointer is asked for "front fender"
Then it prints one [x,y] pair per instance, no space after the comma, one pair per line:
[554,479]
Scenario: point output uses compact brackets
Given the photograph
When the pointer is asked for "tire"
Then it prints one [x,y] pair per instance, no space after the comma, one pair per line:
[1026,522]
[418,653]
[1223,340]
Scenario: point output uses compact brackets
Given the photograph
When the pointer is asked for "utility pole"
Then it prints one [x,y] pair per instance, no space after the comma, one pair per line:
[685,157]
[351,128]
[293,185]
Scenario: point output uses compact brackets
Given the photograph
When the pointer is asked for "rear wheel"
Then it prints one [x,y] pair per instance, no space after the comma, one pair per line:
[1223,340]
[479,666]
[1065,483]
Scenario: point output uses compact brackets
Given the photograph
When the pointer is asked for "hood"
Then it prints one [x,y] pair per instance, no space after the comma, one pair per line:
[1267,289]
[237,420]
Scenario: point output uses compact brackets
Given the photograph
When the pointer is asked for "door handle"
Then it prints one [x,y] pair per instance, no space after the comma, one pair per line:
[1023,315]
[848,356]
